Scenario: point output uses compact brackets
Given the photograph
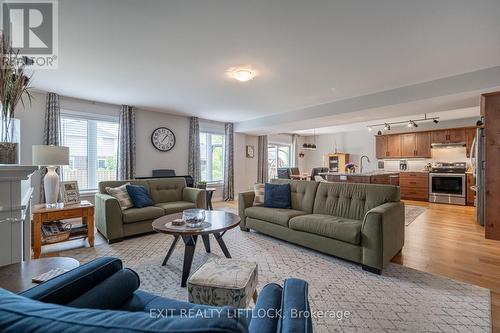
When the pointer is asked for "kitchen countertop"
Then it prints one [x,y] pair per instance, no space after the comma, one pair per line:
[364,174]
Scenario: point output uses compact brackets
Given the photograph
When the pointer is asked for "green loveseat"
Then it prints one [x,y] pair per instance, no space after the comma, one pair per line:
[170,195]
[363,223]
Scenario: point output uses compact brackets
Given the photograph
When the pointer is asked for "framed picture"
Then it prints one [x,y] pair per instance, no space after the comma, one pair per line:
[250,151]
[70,193]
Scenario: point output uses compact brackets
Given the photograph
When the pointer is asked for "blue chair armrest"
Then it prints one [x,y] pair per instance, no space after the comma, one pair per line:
[265,316]
[296,315]
[71,285]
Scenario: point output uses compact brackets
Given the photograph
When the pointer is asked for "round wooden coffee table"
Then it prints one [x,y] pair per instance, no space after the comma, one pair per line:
[216,223]
[17,277]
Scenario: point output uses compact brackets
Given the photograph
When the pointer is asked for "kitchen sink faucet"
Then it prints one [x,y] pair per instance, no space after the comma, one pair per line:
[361,162]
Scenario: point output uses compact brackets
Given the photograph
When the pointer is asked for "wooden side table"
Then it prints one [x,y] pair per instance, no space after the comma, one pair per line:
[17,277]
[42,214]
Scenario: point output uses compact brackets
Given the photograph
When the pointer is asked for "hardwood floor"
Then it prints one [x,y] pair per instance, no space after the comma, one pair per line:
[445,240]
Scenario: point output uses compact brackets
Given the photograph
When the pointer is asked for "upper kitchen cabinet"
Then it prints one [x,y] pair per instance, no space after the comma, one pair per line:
[381,146]
[423,144]
[393,146]
[408,142]
[456,135]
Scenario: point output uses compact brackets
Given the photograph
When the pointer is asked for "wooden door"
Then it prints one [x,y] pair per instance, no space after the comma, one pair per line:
[439,136]
[456,135]
[381,146]
[490,109]
[470,134]
[408,145]
[394,145]
[423,144]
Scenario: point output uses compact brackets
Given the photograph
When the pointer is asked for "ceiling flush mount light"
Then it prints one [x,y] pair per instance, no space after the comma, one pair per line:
[242,74]
[410,123]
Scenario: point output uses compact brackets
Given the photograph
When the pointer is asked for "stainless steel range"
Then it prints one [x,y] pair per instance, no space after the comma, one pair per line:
[447,183]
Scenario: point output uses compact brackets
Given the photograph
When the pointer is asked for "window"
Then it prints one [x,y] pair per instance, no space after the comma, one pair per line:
[278,156]
[212,157]
[93,149]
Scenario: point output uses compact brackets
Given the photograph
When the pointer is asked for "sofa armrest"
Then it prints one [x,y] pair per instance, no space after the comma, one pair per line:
[195,195]
[296,314]
[382,234]
[245,200]
[108,217]
[66,287]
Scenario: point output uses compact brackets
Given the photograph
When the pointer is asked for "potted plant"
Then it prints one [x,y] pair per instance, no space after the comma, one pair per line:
[202,184]
[14,86]
[350,167]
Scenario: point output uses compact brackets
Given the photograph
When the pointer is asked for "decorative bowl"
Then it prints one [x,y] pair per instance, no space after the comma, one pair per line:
[193,217]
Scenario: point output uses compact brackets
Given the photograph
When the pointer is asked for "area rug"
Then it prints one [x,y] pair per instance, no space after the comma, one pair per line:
[412,212]
[343,297]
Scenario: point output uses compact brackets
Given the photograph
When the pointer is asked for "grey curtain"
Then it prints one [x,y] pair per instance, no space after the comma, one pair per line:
[194,150]
[228,191]
[262,170]
[51,132]
[126,143]
[295,150]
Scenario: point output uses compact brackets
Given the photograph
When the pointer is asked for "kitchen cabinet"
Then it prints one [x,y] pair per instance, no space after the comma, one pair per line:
[393,146]
[381,146]
[470,193]
[408,144]
[423,144]
[415,144]
[454,135]
[414,185]
[470,134]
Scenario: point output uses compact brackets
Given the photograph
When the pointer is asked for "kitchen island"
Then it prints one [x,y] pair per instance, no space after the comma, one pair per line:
[376,177]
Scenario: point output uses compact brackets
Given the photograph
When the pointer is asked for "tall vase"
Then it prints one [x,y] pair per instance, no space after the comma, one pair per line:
[10,138]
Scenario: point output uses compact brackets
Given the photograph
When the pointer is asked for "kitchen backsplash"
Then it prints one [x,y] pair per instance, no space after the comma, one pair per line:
[438,155]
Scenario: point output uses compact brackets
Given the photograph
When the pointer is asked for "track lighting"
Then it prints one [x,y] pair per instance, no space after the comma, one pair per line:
[410,123]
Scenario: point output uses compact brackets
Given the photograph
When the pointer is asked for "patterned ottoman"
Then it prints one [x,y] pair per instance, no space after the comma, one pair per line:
[224,282]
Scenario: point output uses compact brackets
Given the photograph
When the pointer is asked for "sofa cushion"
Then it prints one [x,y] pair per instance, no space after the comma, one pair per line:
[21,314]
[116,183]
[259,194]
[132,215]
[274,215]
[166,190]
[303,193]
[277,196]
[176,206]
[339,228]
[352,201]
[121,194]
[140,196]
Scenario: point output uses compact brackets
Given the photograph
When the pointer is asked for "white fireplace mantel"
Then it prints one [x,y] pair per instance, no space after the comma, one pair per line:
[15,212]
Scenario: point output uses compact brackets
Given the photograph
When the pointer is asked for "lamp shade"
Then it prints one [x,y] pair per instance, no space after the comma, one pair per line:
[50,155]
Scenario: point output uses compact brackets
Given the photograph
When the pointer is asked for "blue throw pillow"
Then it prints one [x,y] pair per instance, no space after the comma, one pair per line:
[140,196]
[277,196]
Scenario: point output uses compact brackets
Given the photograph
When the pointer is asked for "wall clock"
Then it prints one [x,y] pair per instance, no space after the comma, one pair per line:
[163,139]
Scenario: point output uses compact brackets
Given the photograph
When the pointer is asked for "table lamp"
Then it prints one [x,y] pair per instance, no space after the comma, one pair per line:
[50,157]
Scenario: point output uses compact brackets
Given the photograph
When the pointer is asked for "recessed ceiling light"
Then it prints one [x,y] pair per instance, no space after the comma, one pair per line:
[242,74]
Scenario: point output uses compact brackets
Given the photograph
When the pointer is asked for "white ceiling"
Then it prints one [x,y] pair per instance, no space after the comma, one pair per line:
[465,113]
[171,56]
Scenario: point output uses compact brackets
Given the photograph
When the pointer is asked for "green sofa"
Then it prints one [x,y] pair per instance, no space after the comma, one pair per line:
[170,195]
[363,223]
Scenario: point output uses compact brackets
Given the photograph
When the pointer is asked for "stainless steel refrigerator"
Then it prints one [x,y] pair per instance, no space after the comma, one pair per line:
[477,164]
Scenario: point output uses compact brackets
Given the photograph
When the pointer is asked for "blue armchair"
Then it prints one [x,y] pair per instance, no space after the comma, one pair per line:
[103,296]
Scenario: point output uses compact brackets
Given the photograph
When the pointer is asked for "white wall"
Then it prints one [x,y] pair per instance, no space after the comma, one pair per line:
[362,142]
